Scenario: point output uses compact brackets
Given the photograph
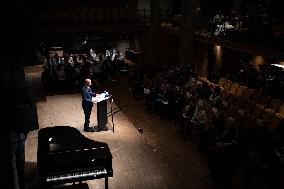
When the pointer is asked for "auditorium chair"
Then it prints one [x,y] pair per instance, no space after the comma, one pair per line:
[49,16]
[247,94]
[224,95]
[281,109]
[107,14]
[222,82]
[83,12]
[123,13]
[55,14]
[193,99]
[249,122]
[59,16]
[115,13]
[99,13]
[246,105]
[274,104]
[256,96]
[75,14]
[91,14]
[227,98]
[42,17]
[266,115]
[241,90]
[238,102]
[250,118]
[231,110]
[131,12]
[228,85]
[258,110]
[234,88]
[238,116]
[255,111]
[211,85]
[275,120]
[192,89]
[211,116]
[231,98]
[66,15]
[264,100]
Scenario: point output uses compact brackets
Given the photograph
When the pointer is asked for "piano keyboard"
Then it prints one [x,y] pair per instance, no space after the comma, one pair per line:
[77,175]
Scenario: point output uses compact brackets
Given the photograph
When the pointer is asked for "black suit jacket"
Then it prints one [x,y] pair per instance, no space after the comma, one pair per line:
[87,95]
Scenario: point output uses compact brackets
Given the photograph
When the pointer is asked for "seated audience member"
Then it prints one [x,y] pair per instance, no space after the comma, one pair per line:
[186,115]
[199,117]
[222,155]
[204,91]
[148,92]
[136,81]
[216,130]
[192,82]
[265,154]
[157,97]
[215,98]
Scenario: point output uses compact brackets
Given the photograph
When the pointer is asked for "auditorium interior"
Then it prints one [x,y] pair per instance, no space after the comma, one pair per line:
[196,94]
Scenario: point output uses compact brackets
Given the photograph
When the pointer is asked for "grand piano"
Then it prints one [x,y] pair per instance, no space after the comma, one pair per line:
[64,155]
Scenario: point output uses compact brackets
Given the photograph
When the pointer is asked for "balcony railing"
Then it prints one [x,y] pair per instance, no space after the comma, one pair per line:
[237,29]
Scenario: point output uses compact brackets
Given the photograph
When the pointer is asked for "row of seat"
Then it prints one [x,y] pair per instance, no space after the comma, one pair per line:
[253,129]
[245,93]
[249,105]
[85,13]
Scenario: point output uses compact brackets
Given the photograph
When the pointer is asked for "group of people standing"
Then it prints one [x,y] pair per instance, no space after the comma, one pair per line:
[70,71]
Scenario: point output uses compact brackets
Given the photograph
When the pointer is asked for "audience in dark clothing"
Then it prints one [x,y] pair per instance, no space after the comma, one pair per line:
[222,134]
[204,91]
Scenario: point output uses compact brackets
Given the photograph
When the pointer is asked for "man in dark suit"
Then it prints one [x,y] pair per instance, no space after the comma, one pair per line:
[87,104]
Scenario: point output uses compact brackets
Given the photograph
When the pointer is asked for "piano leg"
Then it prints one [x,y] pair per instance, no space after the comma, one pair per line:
[106,182]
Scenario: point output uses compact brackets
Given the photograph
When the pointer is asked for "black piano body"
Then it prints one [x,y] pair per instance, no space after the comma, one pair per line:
[65,155]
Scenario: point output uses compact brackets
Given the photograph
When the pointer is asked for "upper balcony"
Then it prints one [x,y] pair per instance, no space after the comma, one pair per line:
[258,33]
[90,18]
[243,33]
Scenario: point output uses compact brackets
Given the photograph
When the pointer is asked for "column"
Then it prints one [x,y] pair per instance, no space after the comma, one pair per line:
[152,38]
[236,5]
[186,49]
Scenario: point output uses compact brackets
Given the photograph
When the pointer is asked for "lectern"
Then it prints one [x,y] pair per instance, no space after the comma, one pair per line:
[101,101]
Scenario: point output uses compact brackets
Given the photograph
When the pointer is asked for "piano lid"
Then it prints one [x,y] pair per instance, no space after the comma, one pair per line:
[60,139]
[65,149]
